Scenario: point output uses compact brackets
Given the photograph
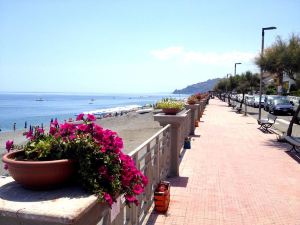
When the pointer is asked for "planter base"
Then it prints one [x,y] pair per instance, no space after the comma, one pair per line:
[162,198]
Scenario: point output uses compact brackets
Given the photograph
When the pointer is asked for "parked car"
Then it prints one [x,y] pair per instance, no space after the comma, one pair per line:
[249,100]
[268,99]
[256,101]
[280,105]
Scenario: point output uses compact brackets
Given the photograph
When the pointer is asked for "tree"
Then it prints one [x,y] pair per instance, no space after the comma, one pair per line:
[291,60]
[271,89]
[247,82]
[283,57]
[220,87]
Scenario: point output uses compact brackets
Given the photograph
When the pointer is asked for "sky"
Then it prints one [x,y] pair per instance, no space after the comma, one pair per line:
[133,46]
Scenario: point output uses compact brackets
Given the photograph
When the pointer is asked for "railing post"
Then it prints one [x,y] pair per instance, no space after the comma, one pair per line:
[157,160]
[177,139]
[134,209]
[149,173]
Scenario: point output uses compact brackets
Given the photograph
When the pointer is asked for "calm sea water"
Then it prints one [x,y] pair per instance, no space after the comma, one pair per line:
[38,108]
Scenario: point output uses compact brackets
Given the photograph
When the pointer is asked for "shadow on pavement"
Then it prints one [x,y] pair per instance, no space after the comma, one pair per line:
[252,113]
[264,131]
[284,147]
[179,181]
[279,145]
[294,155]
[195,135]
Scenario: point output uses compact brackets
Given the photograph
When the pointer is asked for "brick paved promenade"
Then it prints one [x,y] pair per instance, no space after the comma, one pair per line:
[234,174]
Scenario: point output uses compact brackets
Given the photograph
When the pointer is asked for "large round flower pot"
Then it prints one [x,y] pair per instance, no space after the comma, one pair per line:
[39,174]
[171,111]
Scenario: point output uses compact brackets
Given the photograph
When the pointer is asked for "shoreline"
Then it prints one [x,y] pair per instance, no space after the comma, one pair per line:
[132,127]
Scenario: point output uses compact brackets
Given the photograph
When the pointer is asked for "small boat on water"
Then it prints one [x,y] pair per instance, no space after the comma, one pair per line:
[39,100]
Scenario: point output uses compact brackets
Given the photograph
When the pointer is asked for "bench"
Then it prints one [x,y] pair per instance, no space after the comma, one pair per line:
[233,105]
[238,108]
[268,122]
[294,141]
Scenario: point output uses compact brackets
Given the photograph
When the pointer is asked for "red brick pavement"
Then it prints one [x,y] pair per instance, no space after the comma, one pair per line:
[234,174]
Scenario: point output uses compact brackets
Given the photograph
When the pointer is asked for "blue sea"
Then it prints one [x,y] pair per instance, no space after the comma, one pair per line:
[40,108]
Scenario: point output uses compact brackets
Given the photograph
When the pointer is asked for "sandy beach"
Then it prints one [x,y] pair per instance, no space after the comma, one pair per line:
[133,128]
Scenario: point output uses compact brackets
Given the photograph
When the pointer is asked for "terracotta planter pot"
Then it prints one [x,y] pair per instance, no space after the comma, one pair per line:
[162,197]
[191,102]
[39,174]
[171,111]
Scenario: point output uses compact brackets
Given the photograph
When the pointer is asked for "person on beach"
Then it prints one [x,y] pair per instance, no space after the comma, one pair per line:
[14,127]
[25,126]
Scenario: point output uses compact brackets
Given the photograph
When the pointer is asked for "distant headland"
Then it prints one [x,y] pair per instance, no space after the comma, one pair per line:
[199,87]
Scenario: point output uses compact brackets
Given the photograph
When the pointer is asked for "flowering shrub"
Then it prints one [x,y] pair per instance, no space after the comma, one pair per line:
[170,104]
[200,96]
[192,100]
[103,169]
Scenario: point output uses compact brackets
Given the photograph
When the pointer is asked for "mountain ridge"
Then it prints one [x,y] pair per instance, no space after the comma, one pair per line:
[204,86]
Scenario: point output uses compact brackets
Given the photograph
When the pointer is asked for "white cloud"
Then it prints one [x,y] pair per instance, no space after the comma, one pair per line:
[209,58]
[167,53]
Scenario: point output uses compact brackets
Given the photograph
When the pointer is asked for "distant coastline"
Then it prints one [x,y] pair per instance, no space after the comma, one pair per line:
[21,107]
[133,128]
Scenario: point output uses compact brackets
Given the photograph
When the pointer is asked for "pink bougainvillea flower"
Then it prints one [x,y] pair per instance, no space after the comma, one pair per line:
[119,142]
[52,130]
[55,123]
[29,135]
[66,129]
[80,116]
[72,137]
[9,145]
[83,127]
[57,135]
[102,170]
[108,198]
[40,130]
[138,189]
[130,198]
[91,117]
[144,180]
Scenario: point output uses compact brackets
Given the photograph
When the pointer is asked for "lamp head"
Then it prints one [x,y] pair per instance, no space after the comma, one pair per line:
[269,28]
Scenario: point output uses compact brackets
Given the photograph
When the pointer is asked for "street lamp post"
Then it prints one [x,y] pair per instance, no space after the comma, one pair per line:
[226,82]
[235,67]
[227,87]
[261,69]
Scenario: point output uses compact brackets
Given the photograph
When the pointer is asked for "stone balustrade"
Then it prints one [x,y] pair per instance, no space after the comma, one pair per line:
[73,206]
[157,158]
[194,116]
[180,129]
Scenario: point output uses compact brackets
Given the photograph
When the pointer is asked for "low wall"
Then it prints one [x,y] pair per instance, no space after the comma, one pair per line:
[158,158]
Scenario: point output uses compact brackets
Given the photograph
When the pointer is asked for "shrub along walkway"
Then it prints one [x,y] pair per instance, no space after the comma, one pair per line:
[234,174]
